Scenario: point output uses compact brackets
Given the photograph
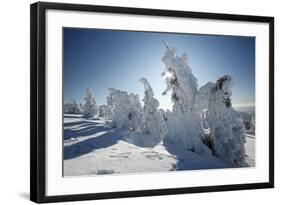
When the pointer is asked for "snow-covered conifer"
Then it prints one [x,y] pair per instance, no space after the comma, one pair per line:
[135,116]
[81,106]
[109,105]
[153,119]
[76,108]
[126,110]
[90,107]
[72,108]
[226,126]
[102,111]
[68,108]
[165,114]
[185,126]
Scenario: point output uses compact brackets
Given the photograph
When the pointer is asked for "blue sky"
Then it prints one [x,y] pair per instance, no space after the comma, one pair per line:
[99,59]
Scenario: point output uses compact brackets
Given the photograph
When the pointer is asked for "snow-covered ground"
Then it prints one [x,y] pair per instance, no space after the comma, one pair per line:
[250,150]
[92,147]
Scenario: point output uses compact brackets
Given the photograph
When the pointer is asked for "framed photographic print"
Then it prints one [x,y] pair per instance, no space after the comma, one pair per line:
[129,102]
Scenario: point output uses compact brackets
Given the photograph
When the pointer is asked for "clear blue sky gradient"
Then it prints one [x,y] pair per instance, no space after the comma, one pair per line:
[101,59]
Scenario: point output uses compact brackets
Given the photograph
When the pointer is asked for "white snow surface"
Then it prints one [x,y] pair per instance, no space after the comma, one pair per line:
[92,147]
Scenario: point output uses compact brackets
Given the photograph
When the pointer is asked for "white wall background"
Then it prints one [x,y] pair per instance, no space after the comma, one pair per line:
[14,103]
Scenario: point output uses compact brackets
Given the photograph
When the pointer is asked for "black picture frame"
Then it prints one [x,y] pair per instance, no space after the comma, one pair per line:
[38,101]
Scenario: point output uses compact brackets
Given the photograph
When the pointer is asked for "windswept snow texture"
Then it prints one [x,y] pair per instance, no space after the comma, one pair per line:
[92,147]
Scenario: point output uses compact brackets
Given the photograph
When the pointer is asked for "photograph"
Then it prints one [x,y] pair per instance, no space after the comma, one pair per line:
[140,101]
[137,102]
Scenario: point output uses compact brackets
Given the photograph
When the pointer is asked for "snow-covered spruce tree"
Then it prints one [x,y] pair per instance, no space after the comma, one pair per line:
[126,110]
[81,106]
[76,108]
[110,107]
[185,126]
[90,107]
[153,119]
[135,114]
[226,126]
[68,108]
[114,101]
[72,108]
[165,114]
[102,111]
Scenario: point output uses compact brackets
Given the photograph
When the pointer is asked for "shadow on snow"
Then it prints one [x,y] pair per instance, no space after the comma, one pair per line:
[102,141]
[107,137]
[186,159]
[81,129]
